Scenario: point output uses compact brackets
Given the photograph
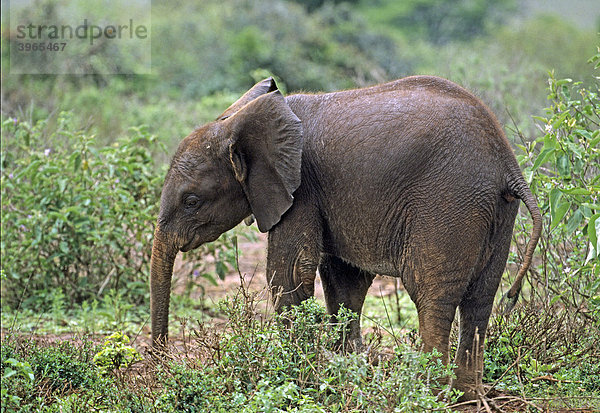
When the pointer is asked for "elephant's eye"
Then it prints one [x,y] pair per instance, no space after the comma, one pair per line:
[191,201]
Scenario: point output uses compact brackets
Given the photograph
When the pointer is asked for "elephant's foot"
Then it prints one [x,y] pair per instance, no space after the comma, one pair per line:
[469,393]
[469,383]
[482,401]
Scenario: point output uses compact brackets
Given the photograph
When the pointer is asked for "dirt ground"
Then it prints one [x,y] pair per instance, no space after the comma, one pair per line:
[252,266]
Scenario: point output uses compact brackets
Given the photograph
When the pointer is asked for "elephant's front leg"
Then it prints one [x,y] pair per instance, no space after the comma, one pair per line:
[293,256]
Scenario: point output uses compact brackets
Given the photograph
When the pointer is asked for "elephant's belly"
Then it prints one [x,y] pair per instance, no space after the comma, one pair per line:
[366,259]
[381,268]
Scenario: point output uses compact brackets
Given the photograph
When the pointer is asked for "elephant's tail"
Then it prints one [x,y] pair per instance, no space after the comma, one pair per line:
[519,189]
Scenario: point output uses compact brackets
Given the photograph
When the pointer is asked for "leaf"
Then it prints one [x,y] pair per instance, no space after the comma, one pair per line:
[590,206]
[574,222]
[62,184]
[561,82]
[559,120]
[555,196]
[542,158]
[575,191]
[210,279]
[559,213]
[583,133]
[563,165]
[549,141]
[76,159]
[9,373]
[32,168]
[221,269]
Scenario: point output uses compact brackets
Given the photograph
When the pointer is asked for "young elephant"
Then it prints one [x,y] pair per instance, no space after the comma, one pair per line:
[413,179]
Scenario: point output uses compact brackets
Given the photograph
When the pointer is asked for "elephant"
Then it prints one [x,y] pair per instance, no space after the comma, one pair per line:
[413,179]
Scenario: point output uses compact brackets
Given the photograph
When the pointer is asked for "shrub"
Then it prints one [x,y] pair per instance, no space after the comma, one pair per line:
[563,169]
[116,353]
[15,375]
[548,346]
[75,217]
[78,218]
[47,374]
[259,364]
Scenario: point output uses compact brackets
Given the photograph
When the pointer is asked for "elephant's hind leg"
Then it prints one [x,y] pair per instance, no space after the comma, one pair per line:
[345,284]
[436,307]
[475,309]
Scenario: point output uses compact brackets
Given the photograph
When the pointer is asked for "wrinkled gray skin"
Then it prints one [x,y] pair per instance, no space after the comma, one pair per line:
[412,179]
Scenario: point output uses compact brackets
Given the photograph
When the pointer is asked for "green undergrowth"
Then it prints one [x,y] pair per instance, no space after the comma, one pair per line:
[546,353]
[253,362]
[247,359]
[78,218]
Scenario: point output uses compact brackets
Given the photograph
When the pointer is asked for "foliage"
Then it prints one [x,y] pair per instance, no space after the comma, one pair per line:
[14,370]
[547,352]
[74,216]
[553,43]
[259,364]
[548,347]
[312,5]
[252,364]
[534,342]
[562,167]
[106,56]
[52,375]
[308,54]
[77,218]
[116,353]
[440,21]
[217,48]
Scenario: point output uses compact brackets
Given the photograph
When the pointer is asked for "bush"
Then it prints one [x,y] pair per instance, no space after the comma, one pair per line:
[439,21]
[563,169]
[259,364]
[78,218]
[548,346]
[116,353]
[75,217]
[50,375]
[15,375]
[219,51]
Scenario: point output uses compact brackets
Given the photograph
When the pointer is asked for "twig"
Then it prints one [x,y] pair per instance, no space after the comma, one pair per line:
[387,315]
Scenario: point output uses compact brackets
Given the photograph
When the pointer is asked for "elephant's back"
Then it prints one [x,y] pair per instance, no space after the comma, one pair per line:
[403,127]
[380,156]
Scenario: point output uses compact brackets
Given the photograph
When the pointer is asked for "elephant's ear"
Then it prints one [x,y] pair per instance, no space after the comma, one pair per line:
[265,152]
[263,87]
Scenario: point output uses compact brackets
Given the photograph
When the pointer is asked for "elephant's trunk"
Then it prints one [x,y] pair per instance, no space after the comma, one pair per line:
[164,252]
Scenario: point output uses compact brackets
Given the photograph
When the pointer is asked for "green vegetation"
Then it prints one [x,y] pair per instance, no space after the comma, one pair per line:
[79,218]
[83,158]
[251,364]
[548,347]
[116,353]
[60,377]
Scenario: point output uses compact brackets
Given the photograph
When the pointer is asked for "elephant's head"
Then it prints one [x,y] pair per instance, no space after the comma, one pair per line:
[246,162]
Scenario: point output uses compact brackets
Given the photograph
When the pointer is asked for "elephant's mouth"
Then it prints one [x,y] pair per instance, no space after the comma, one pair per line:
[195,242]
[199,239]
